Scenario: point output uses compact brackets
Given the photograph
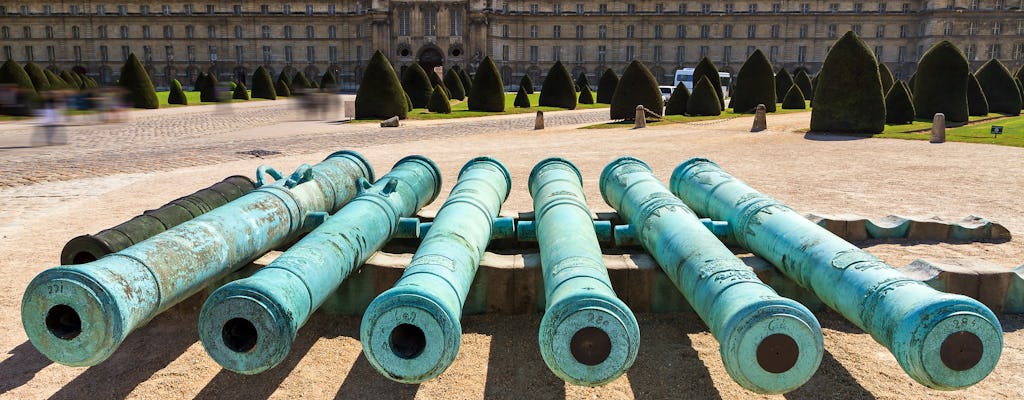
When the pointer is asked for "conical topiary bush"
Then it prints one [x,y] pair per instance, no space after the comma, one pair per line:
[300,82]
[848,97]
[941,85]
[380,93]
[704,100]
[526,83]
[436,81]
[1020,86]
[783,81]
[467,81]
[488,92]
[439,101]
[208,94]
[263,85]
[676,104]
[282,89]
[755,84]
[38,77]
[329,81]
[197,85]
[283,76]
[977,105]
[586,96]
[606,86]
[70,79]
[454,84]
[581,80]
[176,95]
[999,88]
[416,83]
[55,81]
[13,73]
[899,108]
[522,99]
[794,99]
[803,80]
[636,87]
[558,89]
[408,102]
[706,68]
[136,82]
[886,75]
[241,92]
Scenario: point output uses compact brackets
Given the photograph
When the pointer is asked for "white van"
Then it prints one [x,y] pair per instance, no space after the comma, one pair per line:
[685,75]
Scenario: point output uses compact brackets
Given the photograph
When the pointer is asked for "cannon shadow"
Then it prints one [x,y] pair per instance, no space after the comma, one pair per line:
[23,364]
[831,381]
[362,381]
[514,365]
[666,348]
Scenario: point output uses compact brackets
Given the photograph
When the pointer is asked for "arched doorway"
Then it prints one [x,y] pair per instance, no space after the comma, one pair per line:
[430,57]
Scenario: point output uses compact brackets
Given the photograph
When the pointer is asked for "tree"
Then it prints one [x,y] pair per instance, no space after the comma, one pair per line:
[436,81]
[707,68]
[999,88]
[704,100]
[283,76]
[526,83]
[262,85]
[135,81]
[794,99]
[558,89]
[197,85]
[1020,86]
[676,104]
[439,102]
[488,92]
[176,95]
[586,96]
[72,80]
[329,81]
[522,100]
[241,92]
[803,80]
[208,93]
[899,108]
[637,87]
[38,77]
[755,85]
[783,81]
[849,96]
[13,73]
[55,81]
[977,105]
[941,85]
[380,93]
[282,88]
[408,101]
[467,82]
[886,75]
[300,82]
[606,86]
[581,81]
[454,84]
[416,83]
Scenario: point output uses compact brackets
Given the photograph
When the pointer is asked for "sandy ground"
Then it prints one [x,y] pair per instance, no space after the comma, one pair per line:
[499,357]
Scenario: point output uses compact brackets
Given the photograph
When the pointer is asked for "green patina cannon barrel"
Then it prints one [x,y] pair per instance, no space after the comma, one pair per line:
[944,341]
[769,344]
[587,336]
[86,248]
[411,332]
[78,315]
[248,326]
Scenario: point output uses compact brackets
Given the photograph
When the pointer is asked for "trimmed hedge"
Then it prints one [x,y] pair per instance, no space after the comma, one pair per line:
[300,82]
[55,81]
[977,104]
[262,85]
[71,81]
[241,92]
[899,108]
[886,75]
[707,68]
[803,80]
[704,100]
[783,81]
[637,87]
[999,88]
[606,86]
[380,93]
[439,101]
[941,85]
[586,96]
[38,77]
[416,83]
[436,81]
[1020,86]
[454,84]
[209,89]
[136,81]
[558,89]
[526,83]
[282,76]
[488,93]
[522,100]
[676,104]
[13,73]
[755,85]
[794,99]
[582,81]
[282,89]
[467,82]
[176,95]
[408,101]
[197,85]
[329,81]
[849,94]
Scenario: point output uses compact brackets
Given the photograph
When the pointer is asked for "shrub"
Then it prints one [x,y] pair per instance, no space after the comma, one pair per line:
[467,82]
[329,81]
[522,100]
[439,102]
[209,89]
[408,101]
[606,86]
[176,95]
[803,80]
[135,80]
[55,81]
[300,82]
[13,73]
[526,83]
[197,85]
[676,104]
[707,68]
[241,92]
[899,109]
[262,85]
[941,85]
[977,105]
[436,81]
[886,75]
[794,99]
[999,88]
[912,82]
[558,89]
[282,76]
[637,87]
[704,100]
[581,81]
[586,96]
[71,80]
[1020,86]
[849,94]
[783,81]
[488,92]
[454,84]
[755,85]
[282,89]
[416,83]
[38,77]
[380,93]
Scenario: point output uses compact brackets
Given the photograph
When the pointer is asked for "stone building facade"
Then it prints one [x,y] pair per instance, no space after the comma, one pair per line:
[177,39]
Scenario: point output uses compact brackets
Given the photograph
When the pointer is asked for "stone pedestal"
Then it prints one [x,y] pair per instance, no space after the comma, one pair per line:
[389,123]
[640,120]
[939,128]
[760,119]
[539,124]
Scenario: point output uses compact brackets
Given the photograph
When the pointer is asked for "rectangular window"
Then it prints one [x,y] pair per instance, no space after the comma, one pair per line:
[309,9]
[832,31]
[660,8]
[455,19]
[602,32]
[579,31]
[122,11]
[534,32]
[211,32]
[236,9]
[9,52]
[602,54]
[287,32]
[805,8]
[1018,51]
[168,32]
[881,7]
[803,31]
[359,49]
[556,9]
[657,31]
[752,8]
[145,31]
[630,53]
[169,53]
[903,30]
[239,54]
[264,9]
[144,10]
[995,51]
[858,7]
[680,31]
[630,31]
[901,54]
[430,22]
[74,10]
[51,54]
[631,9]
[801,55]
[727,54]
[773,53]
[211,9]
[878,53]
[77,51]
[971,52]
[504,31]
[556,53]
[556,31]
[996,29]
[775,31]
[602,9]
[682,8]
[705,31]
[331,10]
[579,8]
[680,55]
[188,9]
[776,8]
[288,56]
[104,54]
[191,53]
[534,9]
[657,54]
[729,8]
[403,23]
[727,31]
[30,54]
[750,50]
[125,52]
[310,54]
[267,55]
[124,32]
[100,10]
[751,31]
[505,50]
[855,29]
[880,31]
[905,8]
[833,7]
[704,50]
[213,53]
[579,53]
[534,54]
[705,8]
[332,54]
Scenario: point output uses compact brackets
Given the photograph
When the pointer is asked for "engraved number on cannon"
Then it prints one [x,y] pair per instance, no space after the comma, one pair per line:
[963,323]
[597,319]
[55,289]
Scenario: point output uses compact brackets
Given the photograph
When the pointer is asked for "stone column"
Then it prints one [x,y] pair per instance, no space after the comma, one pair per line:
[760,119]
[939,128]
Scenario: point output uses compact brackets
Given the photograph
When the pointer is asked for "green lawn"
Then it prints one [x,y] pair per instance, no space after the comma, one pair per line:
[460,109]
[979,132]
[192,97]
[682,119]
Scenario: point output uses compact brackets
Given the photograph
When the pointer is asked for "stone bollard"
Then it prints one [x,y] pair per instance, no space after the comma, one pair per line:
[640,121]
[939,128]
[389,123]
[539,124]
[348,109]
[760,119]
